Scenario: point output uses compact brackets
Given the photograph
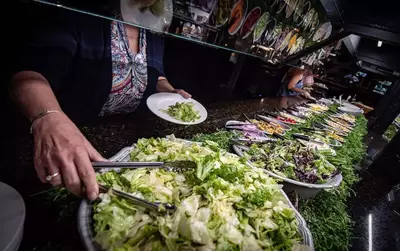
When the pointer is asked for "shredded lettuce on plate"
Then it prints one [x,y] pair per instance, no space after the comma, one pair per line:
[183,111]
[221,205]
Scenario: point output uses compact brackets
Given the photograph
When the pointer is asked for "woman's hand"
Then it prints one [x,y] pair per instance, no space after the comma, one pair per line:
[306,94]
[164,86]
[182,93]
[59,147]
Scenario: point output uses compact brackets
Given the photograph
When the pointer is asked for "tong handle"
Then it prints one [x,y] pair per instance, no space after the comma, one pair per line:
[273,115]
[279,136]
[299,136]
[247,118]
[105,164]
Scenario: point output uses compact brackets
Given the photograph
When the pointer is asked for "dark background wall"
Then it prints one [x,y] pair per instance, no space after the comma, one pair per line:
[199,69]
[387,56]
[381,14]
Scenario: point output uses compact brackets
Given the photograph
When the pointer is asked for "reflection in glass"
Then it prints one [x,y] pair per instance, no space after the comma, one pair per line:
[272,29]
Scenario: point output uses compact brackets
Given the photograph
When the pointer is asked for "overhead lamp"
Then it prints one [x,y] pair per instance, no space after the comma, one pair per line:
[379,43]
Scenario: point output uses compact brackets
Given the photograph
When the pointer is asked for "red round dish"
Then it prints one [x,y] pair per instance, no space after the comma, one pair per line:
[250,22]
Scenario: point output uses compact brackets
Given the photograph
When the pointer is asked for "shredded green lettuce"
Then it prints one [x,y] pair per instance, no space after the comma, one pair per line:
[223,204]
[183,111]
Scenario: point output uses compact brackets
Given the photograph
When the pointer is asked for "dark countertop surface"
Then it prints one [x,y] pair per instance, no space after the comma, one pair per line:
[45,229]
[376,206]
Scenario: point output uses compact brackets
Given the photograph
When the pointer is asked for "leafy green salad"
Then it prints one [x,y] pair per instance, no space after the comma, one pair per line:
[223,204]
[292,160]
[183,111]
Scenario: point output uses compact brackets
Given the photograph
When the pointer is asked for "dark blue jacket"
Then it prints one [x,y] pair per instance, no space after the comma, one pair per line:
[72,51]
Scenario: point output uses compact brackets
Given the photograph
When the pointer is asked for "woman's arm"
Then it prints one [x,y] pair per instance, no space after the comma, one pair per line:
[32,93]
[292,84]
[164,86]
[59,146]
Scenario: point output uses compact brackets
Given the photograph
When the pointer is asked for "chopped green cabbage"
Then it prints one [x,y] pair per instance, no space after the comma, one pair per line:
[221,205]
[183,111]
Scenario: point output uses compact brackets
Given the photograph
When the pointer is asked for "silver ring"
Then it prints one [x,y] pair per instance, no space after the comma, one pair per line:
[51,176]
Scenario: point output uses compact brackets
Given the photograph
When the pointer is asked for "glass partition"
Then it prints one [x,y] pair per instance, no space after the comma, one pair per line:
[268,29]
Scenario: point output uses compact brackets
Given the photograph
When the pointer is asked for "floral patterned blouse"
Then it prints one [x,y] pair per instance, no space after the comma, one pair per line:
[129,72]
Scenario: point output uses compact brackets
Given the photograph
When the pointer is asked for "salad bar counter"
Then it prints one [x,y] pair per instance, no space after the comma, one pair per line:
[225,202]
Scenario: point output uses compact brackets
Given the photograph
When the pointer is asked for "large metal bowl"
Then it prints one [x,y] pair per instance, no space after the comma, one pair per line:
[85,215]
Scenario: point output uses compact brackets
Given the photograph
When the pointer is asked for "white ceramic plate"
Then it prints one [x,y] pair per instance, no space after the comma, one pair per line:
[130,13]
[161,101]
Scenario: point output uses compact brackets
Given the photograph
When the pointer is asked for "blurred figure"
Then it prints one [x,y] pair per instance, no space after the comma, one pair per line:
[294,82]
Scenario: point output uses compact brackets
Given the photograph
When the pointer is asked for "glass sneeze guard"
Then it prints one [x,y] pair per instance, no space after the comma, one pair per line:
[269,29]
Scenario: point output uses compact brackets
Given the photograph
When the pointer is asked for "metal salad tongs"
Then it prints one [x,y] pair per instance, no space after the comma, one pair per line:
[274,134]
[153,206]
[176,166]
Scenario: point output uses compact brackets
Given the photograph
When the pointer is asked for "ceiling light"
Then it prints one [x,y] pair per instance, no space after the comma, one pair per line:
[379,43]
